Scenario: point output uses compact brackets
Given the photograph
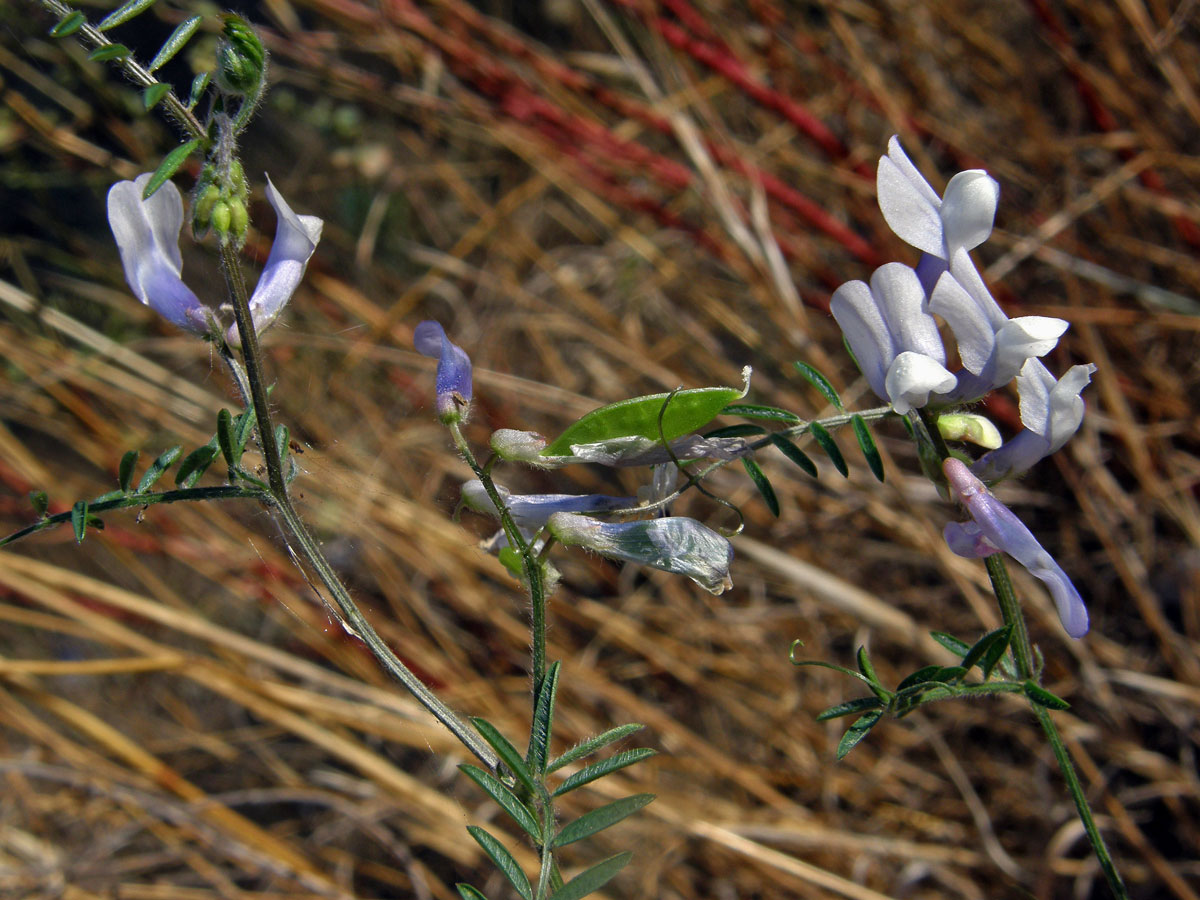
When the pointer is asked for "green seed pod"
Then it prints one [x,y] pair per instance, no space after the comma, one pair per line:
[221,217]
[202,209]
[241,59]
[237,178]
[239,220]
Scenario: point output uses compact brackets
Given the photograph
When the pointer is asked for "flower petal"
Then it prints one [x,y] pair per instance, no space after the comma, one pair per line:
[147,235]
[901,300]
[969,209]
[866,331]
[909,205]
[1022,339]
[453,381]
[296,238]
[972,331]
[997,526]
[912,377]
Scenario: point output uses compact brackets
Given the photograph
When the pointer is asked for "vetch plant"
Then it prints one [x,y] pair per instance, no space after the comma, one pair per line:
[892,325]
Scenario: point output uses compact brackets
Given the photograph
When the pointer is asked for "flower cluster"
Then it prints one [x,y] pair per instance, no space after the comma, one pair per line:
[893,334]
[890,327]
[147,235]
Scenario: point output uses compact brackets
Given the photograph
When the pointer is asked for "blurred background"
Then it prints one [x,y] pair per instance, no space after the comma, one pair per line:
[598,199]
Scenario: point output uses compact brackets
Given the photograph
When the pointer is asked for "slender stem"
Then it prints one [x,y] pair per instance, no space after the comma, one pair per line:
[1010,609]
[547,867]
[1023,655]
[232,268]
[306,545]
[1075,789]
[358,625]
[137,73]
[533,570]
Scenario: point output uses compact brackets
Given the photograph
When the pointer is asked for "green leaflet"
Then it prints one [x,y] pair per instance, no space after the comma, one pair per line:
[180,36]
[169,166]
[504,861]
[154,94]
[684,412]
[592,879]
[69,25]
[124,13]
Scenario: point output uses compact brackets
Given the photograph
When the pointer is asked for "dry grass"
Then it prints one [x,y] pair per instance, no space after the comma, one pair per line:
[181,719]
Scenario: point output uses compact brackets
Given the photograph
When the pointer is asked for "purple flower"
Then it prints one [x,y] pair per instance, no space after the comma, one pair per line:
[147,235]
[895,341]
[1051,411]
[995,528]
[453,382]
[673,544]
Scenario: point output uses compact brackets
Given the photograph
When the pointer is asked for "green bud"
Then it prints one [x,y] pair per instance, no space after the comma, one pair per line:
[969,427]
[241,59]
[221,217]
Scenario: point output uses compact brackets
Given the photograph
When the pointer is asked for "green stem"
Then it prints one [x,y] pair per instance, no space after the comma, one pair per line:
[1023,656]
[305,545]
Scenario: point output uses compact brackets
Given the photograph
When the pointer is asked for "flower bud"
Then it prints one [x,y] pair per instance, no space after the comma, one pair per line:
[241,59]
[970,427]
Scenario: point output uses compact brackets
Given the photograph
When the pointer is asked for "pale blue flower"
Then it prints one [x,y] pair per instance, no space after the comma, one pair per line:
[893,338]
[674,544]
[1051,411]
[147,235]
[995,528]
[296,239]
[453,380]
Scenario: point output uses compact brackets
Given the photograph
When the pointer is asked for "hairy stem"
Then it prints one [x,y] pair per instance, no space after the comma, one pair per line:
[304,543]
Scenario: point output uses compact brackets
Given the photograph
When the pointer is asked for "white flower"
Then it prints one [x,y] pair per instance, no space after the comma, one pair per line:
[894,339]
[935,225]
[1051,411]
[147,235]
